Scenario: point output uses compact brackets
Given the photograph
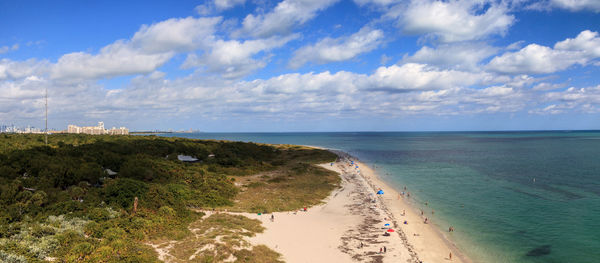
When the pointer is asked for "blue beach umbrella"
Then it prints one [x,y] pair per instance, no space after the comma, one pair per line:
[380,192]
[386,225]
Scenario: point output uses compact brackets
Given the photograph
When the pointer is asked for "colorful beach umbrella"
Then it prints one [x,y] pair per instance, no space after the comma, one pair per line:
[380,192]
[386,225]
[390,230]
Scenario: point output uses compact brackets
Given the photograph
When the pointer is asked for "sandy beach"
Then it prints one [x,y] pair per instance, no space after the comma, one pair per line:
[350,226]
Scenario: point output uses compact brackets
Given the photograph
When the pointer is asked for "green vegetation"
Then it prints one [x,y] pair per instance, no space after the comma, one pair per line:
[290,187]
[220,237]
[60,201]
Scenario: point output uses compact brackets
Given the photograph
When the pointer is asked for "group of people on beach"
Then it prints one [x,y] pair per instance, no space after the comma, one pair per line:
[404,193]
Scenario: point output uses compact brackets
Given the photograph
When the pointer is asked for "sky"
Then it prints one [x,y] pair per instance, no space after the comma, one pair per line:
[302,65]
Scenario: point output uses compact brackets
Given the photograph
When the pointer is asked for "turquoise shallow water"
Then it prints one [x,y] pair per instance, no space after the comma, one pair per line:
[511,196]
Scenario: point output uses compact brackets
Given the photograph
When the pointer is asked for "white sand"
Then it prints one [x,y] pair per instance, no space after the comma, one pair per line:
[427,241]
[333,232]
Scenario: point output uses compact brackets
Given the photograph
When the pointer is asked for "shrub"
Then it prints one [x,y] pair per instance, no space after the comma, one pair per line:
[122,191]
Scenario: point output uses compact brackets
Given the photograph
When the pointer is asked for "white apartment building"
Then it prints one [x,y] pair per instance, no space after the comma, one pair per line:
[97,130]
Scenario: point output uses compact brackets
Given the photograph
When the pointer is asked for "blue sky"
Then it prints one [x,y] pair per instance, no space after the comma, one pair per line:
[303,65]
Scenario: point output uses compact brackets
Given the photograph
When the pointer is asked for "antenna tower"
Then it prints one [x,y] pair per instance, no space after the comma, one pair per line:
[46,97]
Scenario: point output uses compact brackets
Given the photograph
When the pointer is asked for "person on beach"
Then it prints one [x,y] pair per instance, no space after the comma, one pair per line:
[380,250]
[426,220]
[421,212]
[361,245]
[272,218]
[450,256]
[403,212]
[384,249]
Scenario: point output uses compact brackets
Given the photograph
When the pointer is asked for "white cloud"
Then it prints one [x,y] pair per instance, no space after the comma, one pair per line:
[377,2]
[285,16]
[536,59]
[5,49]
[577,5]
[544,86]
[412,76]
[175,34]
[466,56]
[455,20]
[587,42]
[11,70]
[117,59]
[338,49]
[212,6]
[233,58]
[586,100]
[396,90]
[515,45]
[226,4]
[148,49]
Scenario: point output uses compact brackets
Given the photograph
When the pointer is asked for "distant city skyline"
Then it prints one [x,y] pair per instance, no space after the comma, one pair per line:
[310,65]
[97,130]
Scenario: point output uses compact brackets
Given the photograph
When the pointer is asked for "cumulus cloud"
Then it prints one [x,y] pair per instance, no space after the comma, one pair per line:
[175,34]
[233,58]
[585,100]
[444,78]
[338,49]
[412,76]
[153,45]
[283,18]
[537,59]
[455,20]
[466,56]
[10,70]
[394,91]
[148,49]
[117,59]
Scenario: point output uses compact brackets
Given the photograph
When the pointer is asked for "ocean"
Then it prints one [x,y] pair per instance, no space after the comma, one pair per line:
[511,196]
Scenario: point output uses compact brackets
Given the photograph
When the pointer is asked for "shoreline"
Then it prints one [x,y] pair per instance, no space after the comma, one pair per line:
[349,225]
[430,236]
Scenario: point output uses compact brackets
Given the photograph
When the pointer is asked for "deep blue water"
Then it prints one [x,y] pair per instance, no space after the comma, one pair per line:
[511,196]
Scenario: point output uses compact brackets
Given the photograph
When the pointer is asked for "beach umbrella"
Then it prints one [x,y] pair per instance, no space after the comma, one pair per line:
[386,225]
[380,192]
[390,230]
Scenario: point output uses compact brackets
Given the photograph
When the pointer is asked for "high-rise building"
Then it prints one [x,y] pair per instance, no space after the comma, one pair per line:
[97,130]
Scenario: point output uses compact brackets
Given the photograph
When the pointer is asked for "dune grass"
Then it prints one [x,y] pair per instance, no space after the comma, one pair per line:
[218,238]
[286,189]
